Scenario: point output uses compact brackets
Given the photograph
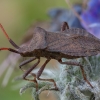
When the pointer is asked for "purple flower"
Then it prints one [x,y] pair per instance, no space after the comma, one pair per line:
[91,18]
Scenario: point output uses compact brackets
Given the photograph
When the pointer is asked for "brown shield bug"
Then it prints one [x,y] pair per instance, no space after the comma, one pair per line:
[69,43]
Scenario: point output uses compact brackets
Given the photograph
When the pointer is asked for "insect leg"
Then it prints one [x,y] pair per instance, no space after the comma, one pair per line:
[81,67]
[40,72]
[29,71]
[26,62]
[64,25]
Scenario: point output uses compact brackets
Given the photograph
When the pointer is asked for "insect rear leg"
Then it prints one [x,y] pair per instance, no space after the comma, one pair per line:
[64,25]
[29,72]
[40,72]
[81,67]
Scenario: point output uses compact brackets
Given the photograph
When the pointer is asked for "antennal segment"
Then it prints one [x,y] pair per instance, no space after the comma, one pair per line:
[11,41]
[10,49]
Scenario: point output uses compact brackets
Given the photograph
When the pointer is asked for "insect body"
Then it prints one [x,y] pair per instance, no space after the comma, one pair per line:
[70,43]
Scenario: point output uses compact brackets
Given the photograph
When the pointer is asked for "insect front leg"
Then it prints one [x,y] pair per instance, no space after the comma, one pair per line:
[26,62]
[81,67]
[29,72]
[40,72]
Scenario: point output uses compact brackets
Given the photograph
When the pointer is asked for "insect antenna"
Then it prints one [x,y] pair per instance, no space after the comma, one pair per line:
[10,40]
[10,49]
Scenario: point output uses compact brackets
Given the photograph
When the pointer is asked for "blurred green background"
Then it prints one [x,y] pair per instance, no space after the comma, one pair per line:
[16,16]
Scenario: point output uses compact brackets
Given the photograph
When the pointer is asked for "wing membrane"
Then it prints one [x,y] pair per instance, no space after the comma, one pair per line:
[74,45]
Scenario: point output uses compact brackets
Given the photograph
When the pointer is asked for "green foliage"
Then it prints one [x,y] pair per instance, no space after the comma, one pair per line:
[70,82]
